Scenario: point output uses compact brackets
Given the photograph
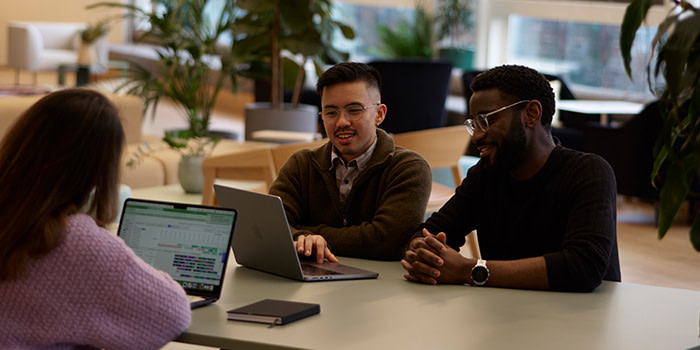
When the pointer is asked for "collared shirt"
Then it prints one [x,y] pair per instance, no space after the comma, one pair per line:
[345,174]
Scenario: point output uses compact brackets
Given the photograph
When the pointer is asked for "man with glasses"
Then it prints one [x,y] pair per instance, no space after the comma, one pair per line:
[359,195]
[544,214]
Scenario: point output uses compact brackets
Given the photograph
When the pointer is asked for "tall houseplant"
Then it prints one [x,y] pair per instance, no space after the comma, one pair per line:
[276,38]
[191,69]
[454,21]
[676,169]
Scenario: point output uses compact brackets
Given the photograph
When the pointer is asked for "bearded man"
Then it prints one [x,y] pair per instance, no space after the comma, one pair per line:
[545,215]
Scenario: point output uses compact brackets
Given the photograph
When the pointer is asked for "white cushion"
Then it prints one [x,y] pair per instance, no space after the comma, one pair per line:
[51,59]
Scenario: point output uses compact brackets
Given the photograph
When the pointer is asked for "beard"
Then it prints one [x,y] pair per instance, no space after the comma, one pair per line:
[512,150]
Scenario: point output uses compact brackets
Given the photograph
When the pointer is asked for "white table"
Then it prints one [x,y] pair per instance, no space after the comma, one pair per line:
[175,193]
[603,107]
[284,136]
[391,313]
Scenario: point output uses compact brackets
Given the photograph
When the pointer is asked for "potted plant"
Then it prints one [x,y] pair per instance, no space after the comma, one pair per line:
[454,21]
[191,69]
[676,169]
[88,36]
[407,39]
[276,39]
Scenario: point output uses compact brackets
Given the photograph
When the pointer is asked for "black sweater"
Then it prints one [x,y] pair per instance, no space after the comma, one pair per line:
[566,213]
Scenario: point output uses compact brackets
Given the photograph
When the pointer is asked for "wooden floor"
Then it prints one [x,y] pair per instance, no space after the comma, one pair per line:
[644,259]
[670,262]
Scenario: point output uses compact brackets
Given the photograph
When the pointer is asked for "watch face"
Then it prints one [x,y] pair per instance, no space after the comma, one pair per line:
[480,274]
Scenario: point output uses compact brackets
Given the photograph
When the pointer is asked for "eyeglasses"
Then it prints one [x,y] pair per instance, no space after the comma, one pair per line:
[353,113]
[482,120]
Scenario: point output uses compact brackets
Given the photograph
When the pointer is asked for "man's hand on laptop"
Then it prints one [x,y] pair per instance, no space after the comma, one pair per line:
[314,245]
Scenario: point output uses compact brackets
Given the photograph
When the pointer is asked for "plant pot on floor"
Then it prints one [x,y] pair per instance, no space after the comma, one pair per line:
[460,58]
[261,116]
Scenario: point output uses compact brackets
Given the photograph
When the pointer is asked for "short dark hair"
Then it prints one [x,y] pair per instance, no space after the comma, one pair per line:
[522,83]
[64,148]
[349,72]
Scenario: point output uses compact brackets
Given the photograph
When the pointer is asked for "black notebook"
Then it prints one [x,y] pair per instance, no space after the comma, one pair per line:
[273,312]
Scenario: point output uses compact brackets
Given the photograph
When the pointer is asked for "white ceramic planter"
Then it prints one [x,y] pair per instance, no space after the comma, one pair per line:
[189,173]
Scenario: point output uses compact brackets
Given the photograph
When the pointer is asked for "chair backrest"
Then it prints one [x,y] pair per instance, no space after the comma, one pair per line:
[414,91]
[60,36]
[629,150]
[441,147]
[281,153]
[247,164]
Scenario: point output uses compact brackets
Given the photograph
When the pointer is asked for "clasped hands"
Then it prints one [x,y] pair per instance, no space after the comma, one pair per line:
[429,260]
[314,245]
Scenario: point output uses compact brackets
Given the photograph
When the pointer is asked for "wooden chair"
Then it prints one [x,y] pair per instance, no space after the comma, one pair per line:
[281,153]
[259,163]
[248,164]
[442,148]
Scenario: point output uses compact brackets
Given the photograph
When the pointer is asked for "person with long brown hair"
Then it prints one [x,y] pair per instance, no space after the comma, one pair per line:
[65,280]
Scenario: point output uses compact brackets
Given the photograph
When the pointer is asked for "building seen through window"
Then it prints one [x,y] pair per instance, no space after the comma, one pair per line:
[584,53]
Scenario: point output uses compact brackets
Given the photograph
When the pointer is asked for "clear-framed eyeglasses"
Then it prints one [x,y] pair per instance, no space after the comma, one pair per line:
[352,113]
[481,121]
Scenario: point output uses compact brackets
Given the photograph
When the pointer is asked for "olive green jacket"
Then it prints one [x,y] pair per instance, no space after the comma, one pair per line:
[385,205]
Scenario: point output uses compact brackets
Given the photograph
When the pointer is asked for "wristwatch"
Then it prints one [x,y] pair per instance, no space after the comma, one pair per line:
[480,273]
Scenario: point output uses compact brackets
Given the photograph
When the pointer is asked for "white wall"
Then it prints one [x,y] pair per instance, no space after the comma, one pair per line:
[50,11]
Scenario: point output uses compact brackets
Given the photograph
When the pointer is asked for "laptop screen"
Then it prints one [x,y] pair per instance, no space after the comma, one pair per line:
[189,242]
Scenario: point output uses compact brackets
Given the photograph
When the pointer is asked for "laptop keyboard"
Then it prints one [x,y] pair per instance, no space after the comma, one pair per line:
[313,270]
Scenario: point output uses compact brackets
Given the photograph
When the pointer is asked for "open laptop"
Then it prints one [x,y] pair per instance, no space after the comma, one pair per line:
[189,242]
[264,242]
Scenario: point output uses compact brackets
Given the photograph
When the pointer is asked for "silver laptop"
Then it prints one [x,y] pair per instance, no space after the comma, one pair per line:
[189,242]
[263,240]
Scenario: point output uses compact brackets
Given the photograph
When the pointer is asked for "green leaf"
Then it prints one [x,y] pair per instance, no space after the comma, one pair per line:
[346,30]
[290,70]
[318,67]
[309,44]
[676,51]
[695,233]
[295,15]
[660,159]
[673,192]
[256,5]
[634,16]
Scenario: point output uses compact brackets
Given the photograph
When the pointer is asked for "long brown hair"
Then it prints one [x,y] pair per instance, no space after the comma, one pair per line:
[63,147]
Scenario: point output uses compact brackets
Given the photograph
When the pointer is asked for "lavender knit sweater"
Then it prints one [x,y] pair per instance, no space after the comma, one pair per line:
[91,290]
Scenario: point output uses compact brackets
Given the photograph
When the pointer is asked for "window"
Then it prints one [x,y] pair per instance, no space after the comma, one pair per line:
[576,40]
[364,20]
[585,55]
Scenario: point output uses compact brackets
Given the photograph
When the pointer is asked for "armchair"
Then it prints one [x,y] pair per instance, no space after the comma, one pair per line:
[629,150]
[41,46]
